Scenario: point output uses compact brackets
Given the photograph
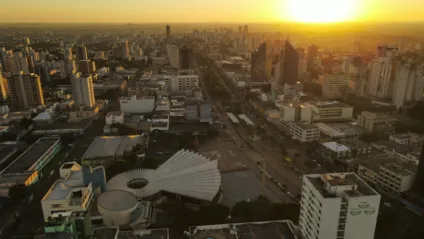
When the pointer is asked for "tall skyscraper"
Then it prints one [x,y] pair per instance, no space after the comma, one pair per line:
[186,58]
[289,65]
[258,66]
[312,53]
[246,29]
[168,31]
[337,205]
[240,29]
[82,90]
[87,67]
[68,54]
[25,91]
[82,53]
[408,83]
[125,49]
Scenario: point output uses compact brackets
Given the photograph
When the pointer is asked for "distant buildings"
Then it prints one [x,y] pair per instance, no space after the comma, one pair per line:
[258,66]
[181,82]
[4,89]
[134,104]
[25,91]
[82,90]
[337,205]
[377,122]
[186,58]
[86,67]
[312,54]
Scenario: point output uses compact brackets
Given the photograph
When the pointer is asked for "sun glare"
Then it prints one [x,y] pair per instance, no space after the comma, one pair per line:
[321,11]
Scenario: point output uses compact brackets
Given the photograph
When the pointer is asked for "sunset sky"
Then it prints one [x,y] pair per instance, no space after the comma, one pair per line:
[140,11]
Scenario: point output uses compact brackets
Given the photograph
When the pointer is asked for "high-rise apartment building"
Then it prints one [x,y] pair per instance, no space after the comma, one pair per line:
[386,51]
[289,65]
[87,67]
[82,53]
[68,54]
[337,206]
[408,83]
[82,90]
[246,29]
[380,79]
[258,67]
[25,91]
[186,58]
[125,49]
[174,55]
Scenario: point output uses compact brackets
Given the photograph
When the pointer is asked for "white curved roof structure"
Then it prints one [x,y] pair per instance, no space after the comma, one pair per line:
[117,200]
[185,173]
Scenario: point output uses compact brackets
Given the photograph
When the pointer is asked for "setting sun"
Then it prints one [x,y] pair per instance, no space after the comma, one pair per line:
[323,11]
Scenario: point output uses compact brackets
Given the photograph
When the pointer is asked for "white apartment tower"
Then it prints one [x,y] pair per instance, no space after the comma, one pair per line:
[408,84]
[173,54]
[337,206]
[82,90]
[380,77]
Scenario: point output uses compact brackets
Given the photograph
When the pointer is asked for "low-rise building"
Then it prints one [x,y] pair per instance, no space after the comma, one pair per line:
[304,132]
[75,190]
[115,117]
[134,104]
[377,122]
[331,111]
[340,130]
[160,122]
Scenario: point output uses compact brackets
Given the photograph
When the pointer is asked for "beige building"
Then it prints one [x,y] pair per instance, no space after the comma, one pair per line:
[25,91]
[335,86]
[377,122]
[83,91]
[4,90]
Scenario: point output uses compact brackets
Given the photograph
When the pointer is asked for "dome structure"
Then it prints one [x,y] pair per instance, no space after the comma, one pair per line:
[185,173]
[116,207]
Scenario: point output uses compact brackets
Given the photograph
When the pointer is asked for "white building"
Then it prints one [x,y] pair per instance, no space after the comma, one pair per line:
[408,84]
[380,77]
[68,194]
[331,111]
[82,90]
[174,55]
[134,104]
[181,82]
[335,86]
[115,117]
[304,132]
[337,206]
[287,112]
[160,122]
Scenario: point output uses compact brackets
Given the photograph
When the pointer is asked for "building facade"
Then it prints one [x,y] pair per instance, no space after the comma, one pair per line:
[380,78]
[258,65]
[25,91]
[186,58]
[337,206]
[83,91]
[377,122]
[335,86]
[289,65]
[304,132]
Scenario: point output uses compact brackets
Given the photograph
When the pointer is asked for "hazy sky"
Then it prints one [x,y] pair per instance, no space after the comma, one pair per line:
[196,10]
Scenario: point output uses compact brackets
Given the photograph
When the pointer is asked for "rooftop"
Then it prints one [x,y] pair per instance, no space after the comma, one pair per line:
[28,159]
[404,169]
[7,149]
[253,230]
[62,187]
[336,147]
[332,184]
[306,126]
[111,146]
[115,113]
[162,233]
[105,233]
[329,104]
[339,129]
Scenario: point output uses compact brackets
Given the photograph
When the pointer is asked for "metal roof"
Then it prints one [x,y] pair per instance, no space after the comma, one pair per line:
[117,200]
[185,173]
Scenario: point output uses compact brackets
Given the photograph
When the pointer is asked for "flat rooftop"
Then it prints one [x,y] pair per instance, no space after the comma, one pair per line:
[28,158]
[322,181]
[62,187]
[404,169]
[254,230]
[111,146]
